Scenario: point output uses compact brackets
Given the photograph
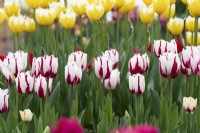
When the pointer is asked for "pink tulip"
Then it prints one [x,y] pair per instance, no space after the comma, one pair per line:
[4,95]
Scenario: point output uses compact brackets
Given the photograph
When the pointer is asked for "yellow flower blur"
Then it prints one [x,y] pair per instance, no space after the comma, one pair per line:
[45,16]
[94,11]
[169,10]
[172,1]
[184,2]
[190,22]
[2,15]
[79,6]
[160,5]
[16,24]
[146,14]
[175,26]
[58,7]
[29,25]
[33,3]
[128,6]
[108,4]
[193,7]
[119,3]
[11,8]
[190,38]
[148,2]
[68,19]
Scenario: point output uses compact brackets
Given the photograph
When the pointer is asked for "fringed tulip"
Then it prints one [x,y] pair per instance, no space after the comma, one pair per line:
[4,95]
[113,81]
[189,104]
[137,84]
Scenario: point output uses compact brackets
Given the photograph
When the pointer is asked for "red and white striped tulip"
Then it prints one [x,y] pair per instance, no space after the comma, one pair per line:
[113,81]
[6,73]
[137,84]
[80,58]
[169,65]
[24,83]
[189,104]
[113,55]
[73,73]
[36,64]
[4,95]
[195,64]
[138,63]
[184,70]
[103,67]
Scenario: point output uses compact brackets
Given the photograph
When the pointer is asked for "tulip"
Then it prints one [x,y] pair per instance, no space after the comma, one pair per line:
[190,38]
[45,16]
[148,2]
[185,2]
[103,67]
[193,7]
[26,115]
[6,73]
[113,81]
[2,15]
[73,73]
[189,104]
[137,84]
[24,83]
[169,12]
[146,14]
[16,24]
[138,63]
[33,4]
[175,26]
[80,58]
[11,8]
[119,3]
[108,4]
[58,7]
[160,5]
[172,1]
[195,64]
[79,6]
[95,11]
[4,95]
[190,22]
[36,64]
[68,19]
[113,55]
[127,6]
[184,70]
[29,25]
[169,65]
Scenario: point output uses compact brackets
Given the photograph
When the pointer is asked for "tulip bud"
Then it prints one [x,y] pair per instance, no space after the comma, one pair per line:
[184,70]
[190,22]
[79,6]
[2,15]
[36,64]
[73,73]
[169,12]
[137,84]
[11,8]
[49,66]
[175,26]
[127,6]
[95,11]
[24,83]
[4,95]
[189,104]
[119,3]
[32,4]
[58,7]
[193,6]
[113,81]
[29,25]
[108,4]
[195,64]
[148,2]
[103,67]
[16,24]
[26,115]
[113,55]
[190,38]
[138,63]
[169,65]
[146,14]
[160,5]
[80,58]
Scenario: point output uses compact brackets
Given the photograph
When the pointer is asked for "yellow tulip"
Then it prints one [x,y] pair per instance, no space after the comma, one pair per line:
[11,8]
[190,38]
[184,2]
[146,14]
[79,6]
[29,25]
[2,15]
[170,10]
[119,3]
[175,26]
[128,6]
[16,24]
[190,22]
[58,7]
[172,1]
[68,19]
[193,7]
[108,4]
[160,5]
[33,3]
[148,2]
[95,11]
[45,16]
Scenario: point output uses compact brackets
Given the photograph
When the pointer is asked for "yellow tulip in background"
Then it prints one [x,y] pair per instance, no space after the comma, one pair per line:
[146,14]
[194,7]
[119,3]
[79,6]
[190,38]
[108,4]
[29,25]
[148,2]
[190,22]
[33,3]
[160,5]
[170,10]
[58,7]
[68,19]
[175,26]
[16,24]
[2,15]
[11,8]
[95,11]
[184,2]
[127,6]
[172,1]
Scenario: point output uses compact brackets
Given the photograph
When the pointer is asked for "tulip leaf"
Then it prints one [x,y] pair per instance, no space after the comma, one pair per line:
[155,102]
[3,127]
[54,98]
[11,121]
[40,126]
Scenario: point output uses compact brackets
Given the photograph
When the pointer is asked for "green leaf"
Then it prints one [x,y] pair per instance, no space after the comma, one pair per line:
[11,121]
[40,126]
[54,98]
[3,127]
[155,103]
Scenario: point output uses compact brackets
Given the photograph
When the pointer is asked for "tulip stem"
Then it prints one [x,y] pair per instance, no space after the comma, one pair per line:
[81,25]
[127,28]
[170,91]
[136,113]
[188,123]
[117,33]
[40,106]
[196,31]
[146,37]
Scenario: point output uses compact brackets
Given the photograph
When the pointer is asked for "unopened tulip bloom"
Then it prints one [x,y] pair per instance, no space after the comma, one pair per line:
[195,64]
[172,1]
[6,73]
[58,7]
[113,55]
[185,2]
[137,84]
[4,95]
[26,115]
[160,5]
[138,63]
[29,25]
[148,2]
[175,26]
[49,66]
[11,8]
[103,67]
[146,14]
[108,4]
[127,6]
[95,11]
[170,11]
[80,58]
[45,16]
[24,83]
[2,15]
[16,24]
[113,81]
[79,6]
[169,65]
[190,38]
[119,3]
[68,19]
[193,7]
[184,70]
[36,65]
[73,73]
[190,22]
[189,104]
[33,4]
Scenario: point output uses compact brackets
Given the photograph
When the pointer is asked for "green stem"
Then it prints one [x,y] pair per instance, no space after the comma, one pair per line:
[146,36]
[161,87]
[170,92]
[191,85]
[17,104]
[81,25]
[127,29]
[136,113]
[117,33]
[188,123]
[40,106]
[167,31]
[196,31]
